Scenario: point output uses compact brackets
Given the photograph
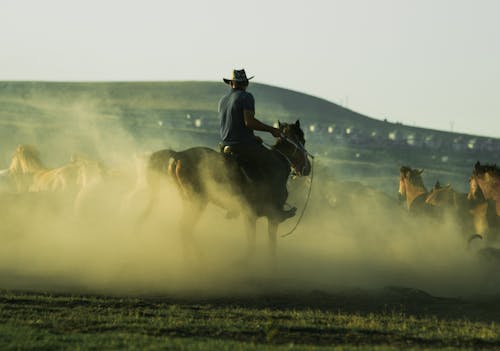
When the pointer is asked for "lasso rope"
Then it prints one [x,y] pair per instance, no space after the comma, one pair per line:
[305,204]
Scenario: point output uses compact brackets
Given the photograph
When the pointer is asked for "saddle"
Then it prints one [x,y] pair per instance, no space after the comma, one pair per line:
[249,170]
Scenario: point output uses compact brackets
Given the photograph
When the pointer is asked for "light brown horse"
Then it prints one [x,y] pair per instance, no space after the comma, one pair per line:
[204,175]
[30,175]
[75,178]
[418,198]
[484,188]
[438,202]
[412,188]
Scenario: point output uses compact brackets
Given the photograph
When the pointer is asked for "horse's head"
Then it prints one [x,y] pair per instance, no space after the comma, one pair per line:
[26,159]
[442,196]
[293,145]
[475,192]
[486,179]
[409,176]
[403,174]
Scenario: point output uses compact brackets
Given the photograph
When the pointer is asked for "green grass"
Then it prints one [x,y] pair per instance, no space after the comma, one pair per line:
[315,321]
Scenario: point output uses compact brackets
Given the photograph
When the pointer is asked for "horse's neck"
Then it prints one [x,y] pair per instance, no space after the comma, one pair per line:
[491,190]
[285,154]
[413,191]
[443,196]
[496,194]
[26,166]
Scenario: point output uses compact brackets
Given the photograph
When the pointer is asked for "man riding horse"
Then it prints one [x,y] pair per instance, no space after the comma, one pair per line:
[237,126]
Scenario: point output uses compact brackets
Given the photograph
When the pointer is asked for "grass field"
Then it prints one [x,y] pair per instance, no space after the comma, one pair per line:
[393,318]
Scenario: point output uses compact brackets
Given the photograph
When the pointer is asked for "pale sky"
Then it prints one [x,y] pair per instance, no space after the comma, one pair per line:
[429,63]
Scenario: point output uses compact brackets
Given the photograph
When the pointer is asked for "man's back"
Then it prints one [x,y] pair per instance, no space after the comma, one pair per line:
[232,124]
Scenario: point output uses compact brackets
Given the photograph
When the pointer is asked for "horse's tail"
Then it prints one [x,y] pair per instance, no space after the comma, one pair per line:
[160,161]
[176,171]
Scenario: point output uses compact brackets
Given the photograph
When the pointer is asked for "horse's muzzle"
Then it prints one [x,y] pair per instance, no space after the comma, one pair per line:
[306,170]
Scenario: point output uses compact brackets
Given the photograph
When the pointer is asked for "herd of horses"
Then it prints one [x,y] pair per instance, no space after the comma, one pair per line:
[477,212]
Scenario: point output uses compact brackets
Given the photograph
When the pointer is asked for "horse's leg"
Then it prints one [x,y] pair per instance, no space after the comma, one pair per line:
[79,200]
[272,230]
[153,180]
[128,199]
[190,217]
[250,227]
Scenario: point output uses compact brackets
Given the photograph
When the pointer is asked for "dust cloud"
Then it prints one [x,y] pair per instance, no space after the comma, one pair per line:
[351,235]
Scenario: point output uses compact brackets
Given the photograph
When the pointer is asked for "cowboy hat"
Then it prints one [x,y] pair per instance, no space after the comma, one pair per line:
[237,76]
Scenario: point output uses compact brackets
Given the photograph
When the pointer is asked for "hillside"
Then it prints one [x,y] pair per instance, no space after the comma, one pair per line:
[126,116]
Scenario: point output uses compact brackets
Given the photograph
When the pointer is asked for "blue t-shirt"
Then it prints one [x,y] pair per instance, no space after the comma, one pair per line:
[232,123]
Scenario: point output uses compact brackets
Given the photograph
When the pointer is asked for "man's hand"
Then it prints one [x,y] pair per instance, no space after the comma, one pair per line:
[275,132]
[254,124]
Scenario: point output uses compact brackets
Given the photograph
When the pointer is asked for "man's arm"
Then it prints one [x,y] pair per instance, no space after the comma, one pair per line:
[253,123]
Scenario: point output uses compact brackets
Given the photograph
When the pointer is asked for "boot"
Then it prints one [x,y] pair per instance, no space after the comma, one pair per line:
[282,214]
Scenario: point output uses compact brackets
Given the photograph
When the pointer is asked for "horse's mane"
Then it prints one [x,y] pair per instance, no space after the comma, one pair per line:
[440,194]
[26,159]
[480,169]
[405,169]
[296,130]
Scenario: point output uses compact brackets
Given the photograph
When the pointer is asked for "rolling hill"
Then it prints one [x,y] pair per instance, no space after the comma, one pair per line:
[126,116]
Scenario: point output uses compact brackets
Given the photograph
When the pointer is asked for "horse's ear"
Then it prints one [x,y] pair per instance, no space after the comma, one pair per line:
[279,124]
[477,165]
[297,123]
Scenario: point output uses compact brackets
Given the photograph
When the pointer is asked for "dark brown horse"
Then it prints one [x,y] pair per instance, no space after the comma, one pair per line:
[204,175]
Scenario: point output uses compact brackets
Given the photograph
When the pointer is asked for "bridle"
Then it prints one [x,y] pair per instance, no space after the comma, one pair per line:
[298,147]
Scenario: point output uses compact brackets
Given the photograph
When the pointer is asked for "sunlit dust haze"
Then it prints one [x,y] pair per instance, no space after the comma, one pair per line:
[351,236]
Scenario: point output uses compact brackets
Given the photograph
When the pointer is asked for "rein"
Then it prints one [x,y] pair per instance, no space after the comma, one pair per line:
[298,146]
